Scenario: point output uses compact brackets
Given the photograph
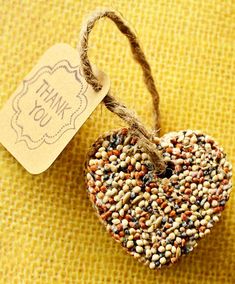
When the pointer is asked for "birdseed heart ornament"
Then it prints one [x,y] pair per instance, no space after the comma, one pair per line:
[156,196]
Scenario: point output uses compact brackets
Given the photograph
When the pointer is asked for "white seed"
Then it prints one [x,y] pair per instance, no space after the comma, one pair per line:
[133,161]
[148,223]
[184,206]
[144,156]
[121,212]
[193,199]
[124,223]
[137,189]
[171,236]
[173,250]
[116,221]
[99,172]
[206,205]
[146,195]
[158,222]
[139,249]
[203,222]
[137,156]
[129,244]
[194,207]
[215,218]
[155,257]
[148,253]
[112,158]
[162,260]
[123,156]
[167,253]
[214,203]
[178,240]
[126,187]
[98,155]
[209,211]
[206,184]
[152,265]
[126,197]
[189,232]
[167,209]
[105,144]
[168,247]
[119,205]
[139,242]
[137,199]
[138,166]
[142,204]
[161,249]
[193,218]
[123,164]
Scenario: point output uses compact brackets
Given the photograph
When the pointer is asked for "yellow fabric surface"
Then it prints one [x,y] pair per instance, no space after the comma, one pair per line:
[49,232]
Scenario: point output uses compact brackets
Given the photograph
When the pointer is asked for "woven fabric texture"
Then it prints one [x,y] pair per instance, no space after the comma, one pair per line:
[49,232]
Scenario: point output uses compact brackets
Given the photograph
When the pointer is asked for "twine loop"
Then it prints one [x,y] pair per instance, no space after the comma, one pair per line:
[137,128]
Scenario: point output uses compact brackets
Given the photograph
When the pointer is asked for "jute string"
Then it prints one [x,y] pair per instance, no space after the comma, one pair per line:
[136,127]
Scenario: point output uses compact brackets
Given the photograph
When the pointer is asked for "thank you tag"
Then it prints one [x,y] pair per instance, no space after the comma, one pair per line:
[48,108]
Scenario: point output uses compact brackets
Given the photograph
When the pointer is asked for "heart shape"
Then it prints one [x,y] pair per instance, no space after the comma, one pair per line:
[158,218]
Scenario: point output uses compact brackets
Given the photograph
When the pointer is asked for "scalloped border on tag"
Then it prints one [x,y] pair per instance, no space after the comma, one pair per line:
[48,108]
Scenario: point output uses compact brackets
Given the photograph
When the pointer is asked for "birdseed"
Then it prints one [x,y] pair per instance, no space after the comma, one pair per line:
[158,218]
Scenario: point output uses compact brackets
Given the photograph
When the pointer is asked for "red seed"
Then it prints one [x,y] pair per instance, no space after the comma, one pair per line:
[133,141]
[139,183]
[164,205]
[103,188]
[144,169]
[187,184]
[136,236]
[93,168]
[218,209]
[201,180]
[105,215]
[183,217]
[116,152]
[110,153]
[202,228]
[179,145]
[143,225]
[224,181]
[132,224]
[188,191]
[226,169]
[195,180]
[167,225]
[124,131]
[159,201]
[127,176]
[111,200]
[172,213]
[169,150]
[128,217]
[130,168]
[141,173]
[119,227]
[148,189]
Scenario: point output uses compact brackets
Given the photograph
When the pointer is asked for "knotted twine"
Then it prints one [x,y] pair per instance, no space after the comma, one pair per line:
[137,129]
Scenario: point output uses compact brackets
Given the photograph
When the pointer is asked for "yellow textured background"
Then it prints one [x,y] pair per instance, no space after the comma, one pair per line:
[48,230]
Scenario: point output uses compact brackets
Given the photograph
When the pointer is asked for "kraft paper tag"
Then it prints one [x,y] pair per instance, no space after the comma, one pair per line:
[48,108]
